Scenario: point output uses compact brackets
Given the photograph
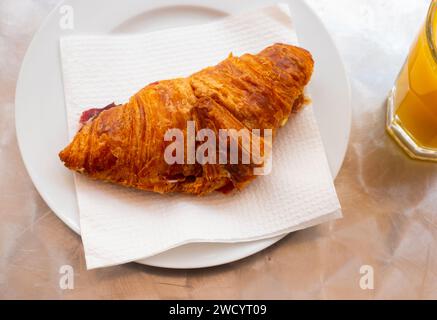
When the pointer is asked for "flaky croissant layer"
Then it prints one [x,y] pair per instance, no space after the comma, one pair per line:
[124,144]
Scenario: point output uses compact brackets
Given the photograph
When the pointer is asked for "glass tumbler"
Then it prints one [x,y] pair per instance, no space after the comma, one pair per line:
[412,103]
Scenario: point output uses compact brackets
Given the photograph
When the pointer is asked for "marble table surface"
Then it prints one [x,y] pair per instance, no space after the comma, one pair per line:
[389,229]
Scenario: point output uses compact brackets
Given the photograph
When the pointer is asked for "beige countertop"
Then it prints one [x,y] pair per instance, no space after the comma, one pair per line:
[389,201]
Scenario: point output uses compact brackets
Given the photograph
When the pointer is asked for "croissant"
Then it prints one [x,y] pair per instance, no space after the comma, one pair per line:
[124,144]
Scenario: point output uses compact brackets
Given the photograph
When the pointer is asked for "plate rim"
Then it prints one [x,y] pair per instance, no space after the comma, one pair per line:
[73,225]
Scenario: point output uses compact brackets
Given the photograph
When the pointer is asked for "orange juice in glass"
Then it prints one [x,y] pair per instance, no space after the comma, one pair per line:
[412,104]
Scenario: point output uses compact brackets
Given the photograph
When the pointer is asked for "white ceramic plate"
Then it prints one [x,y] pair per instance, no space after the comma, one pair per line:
[41,117]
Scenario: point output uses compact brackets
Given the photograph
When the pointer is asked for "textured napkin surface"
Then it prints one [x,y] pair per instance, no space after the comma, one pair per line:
[119,225]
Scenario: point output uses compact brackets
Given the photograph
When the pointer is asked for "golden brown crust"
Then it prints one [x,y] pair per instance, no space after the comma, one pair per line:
[125,144]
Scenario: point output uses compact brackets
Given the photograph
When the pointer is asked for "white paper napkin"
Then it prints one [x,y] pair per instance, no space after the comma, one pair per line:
[118,224]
